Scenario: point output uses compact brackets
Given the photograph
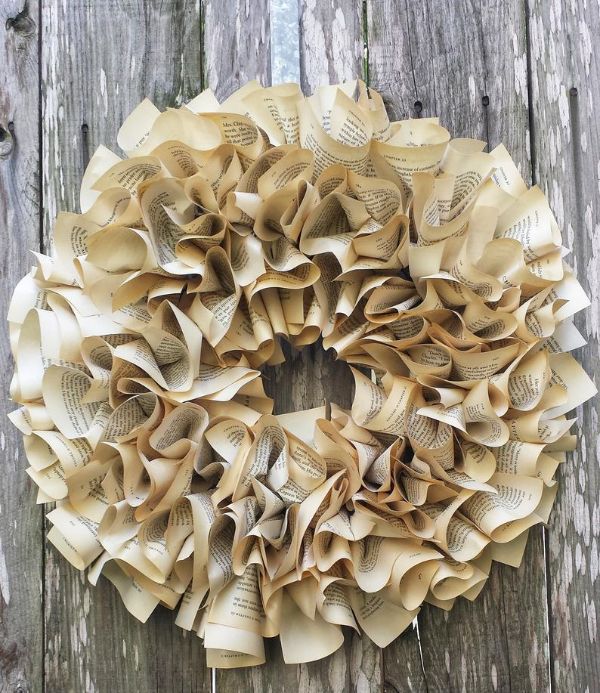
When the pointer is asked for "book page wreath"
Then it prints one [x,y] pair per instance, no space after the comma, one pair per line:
[423,261]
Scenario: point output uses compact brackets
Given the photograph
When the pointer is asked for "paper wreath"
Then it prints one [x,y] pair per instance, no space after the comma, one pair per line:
[423,261]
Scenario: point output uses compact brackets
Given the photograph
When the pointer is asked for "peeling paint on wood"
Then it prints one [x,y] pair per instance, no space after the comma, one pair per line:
[331,42]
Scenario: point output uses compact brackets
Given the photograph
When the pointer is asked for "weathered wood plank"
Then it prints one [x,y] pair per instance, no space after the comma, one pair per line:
[427,59]
[99,60]
[307,379]
[21,554]
[565,77]
[331,42]
[403,665]
[390,72]
[331,51]
[466,62]
[389,66]
[236,44]
[389,57]
[310,378]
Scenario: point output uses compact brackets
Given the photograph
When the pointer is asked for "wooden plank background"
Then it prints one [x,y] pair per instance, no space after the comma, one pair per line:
[523,72]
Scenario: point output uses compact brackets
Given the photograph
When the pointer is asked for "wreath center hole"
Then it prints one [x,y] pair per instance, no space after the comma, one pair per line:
[309,377]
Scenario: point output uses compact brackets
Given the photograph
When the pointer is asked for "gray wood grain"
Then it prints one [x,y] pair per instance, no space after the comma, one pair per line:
[565,76]
[98,62]
[403,665]
[389,57]
[390,72]
[236,44]
[309,378]
[21,549]
[331,42]
[467,62]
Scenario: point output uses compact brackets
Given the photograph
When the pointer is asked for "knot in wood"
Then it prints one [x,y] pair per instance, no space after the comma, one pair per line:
[6,143]
[22,23]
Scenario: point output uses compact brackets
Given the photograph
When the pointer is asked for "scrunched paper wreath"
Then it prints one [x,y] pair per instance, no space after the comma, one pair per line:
[424,261]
